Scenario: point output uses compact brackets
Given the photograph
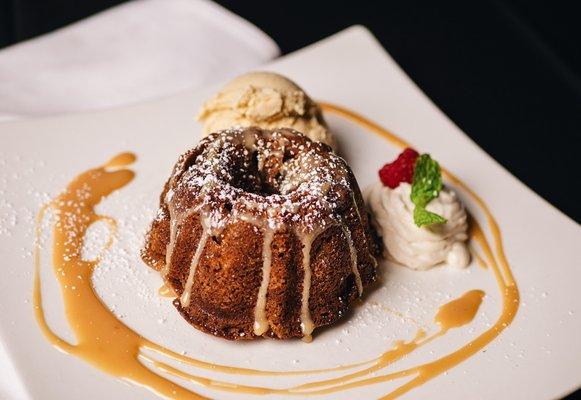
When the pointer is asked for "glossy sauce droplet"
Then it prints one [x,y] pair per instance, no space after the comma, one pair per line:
[459,312]
[121,160]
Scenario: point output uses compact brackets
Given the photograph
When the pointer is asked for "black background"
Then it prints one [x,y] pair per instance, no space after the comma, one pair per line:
[508,73]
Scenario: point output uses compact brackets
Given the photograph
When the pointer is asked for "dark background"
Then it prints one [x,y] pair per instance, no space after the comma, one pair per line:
[507,72]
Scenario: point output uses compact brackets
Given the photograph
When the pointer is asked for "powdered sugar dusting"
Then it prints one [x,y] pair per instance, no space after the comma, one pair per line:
[276,179]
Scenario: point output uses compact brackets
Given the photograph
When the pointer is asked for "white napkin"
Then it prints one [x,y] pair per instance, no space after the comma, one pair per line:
[134,52]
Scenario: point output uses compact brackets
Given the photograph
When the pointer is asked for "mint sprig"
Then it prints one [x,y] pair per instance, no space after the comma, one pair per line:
[426,186]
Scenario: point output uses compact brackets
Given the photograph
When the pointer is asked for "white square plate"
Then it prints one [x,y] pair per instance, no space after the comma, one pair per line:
[537,357]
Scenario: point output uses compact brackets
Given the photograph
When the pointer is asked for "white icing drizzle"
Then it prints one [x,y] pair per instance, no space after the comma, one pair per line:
[353,260]
[261,324]
[307,325]
[186,295]
[175,221]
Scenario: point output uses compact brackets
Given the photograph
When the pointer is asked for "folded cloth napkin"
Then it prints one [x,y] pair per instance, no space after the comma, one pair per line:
[133,52]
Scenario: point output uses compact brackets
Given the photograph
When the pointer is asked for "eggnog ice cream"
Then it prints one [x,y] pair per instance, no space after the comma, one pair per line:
[266,100]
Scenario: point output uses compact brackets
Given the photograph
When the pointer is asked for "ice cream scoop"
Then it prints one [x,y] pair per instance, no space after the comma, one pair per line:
[266,100]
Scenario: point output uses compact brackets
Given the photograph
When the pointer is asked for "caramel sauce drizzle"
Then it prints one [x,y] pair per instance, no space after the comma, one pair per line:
[102,340]
[109,345]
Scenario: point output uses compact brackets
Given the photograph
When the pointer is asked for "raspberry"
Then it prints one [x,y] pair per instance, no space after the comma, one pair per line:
[401,170]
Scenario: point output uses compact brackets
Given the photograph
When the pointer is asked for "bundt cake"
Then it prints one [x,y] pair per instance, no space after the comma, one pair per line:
[262,233]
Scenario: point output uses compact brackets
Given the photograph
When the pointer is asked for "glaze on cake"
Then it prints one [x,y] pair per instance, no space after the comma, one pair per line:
[262,233]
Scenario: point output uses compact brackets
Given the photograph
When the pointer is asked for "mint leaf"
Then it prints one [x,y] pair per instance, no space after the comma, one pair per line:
[424,217]
[426,186]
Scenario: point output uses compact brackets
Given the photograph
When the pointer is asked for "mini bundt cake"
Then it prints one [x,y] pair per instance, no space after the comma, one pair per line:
[262,233]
